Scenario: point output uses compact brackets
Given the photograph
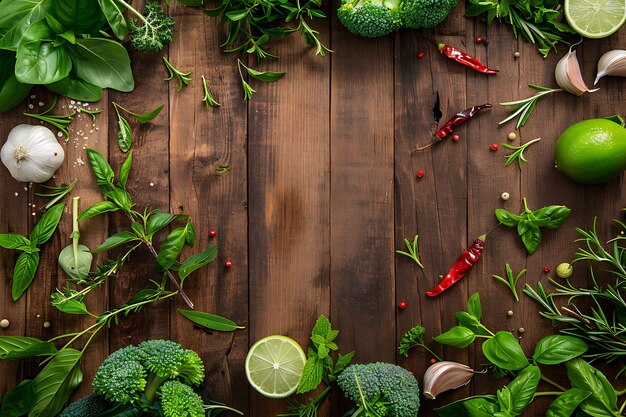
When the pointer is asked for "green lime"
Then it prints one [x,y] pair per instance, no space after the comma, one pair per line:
[595,18]
[592,151]
[274,366]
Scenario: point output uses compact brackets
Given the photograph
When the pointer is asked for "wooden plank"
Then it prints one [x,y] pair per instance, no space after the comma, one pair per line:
[201,141]
[362,194]
[289,197]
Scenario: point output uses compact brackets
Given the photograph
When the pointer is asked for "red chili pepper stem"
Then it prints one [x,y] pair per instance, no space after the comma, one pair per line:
[464,263]
[464,58]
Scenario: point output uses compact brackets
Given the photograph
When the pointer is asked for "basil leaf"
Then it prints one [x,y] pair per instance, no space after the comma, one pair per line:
[556,215]
[171,248]
[473,306]
[125,169]
[16,347]
[457,336]
[467,320]
[196,261]
[478,406]
[114,13]
[504,351]
[100,167]
[265,76]
[12,92]
[81,15]
[97,209]
[19,400]
[72,306]
[55,383]
[120,197]
[160,220]
[40,62]
[76,89]
[555,349]
[104,63]
[523,226]
[566,403]
[146,117]
[124,135]
[603,400]
[523,388]
[532,238]
[504,399]
[190,234]
[24,273]
[47,224]
[507,218]
[311,374]
[210,321]
[115,240]
[16,17]
[76,265]
[14,241]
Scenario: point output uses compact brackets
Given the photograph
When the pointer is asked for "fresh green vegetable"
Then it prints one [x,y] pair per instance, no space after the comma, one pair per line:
[387,388]
[264,76]
[524,108]
[125,134]
[90,406]
[56,192]
[184,78]
[528,223]
[61,122]
[539,22]
[414,338]
[75,259]
[208,97]
[418,14]
[210,321]
[28,261]
[152,29]
[510,281]
[518,152]
[413,251]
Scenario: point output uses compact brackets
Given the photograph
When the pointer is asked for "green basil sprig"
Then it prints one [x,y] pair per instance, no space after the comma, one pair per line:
[529,223]
[28,261]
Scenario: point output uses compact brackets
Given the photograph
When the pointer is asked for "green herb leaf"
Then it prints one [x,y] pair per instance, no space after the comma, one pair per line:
[523,389]
[171,248]
[24,272]
[146,117]
[183,77]
[72,306]
[555,349]
[478,406]
[190,234]
[457,336]
[76,267]
[97,209]
[19,400]
[124,135]
[115,240]
[603,400]
[342,362]
[40,62]
[47,224]
[311,374]
[14,241]
[265,76]
[321,328]
[555,215]
[159,221]
[467,320]
[104,63]
[507,218]
[197,261]
[565,404]
[208,99]
[473,306]
[114,14]
[17,347]
[100,167]
[210,321]
[531,238]
[504,351]
[125,169]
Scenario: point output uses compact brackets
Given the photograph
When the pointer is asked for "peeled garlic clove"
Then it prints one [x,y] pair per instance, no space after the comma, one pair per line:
[568,75]
[445,375]
[612,63]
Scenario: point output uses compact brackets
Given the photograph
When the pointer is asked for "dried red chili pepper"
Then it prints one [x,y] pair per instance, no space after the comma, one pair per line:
[463,264]
[464,58]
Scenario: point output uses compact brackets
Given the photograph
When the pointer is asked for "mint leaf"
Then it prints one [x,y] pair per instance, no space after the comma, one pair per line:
[322,327]
[311,374]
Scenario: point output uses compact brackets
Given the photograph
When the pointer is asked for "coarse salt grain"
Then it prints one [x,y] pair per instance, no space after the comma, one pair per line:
[40,104]
[30,106]
[16,194]
[151,184]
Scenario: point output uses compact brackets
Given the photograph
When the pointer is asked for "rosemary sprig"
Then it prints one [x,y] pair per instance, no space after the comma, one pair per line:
[518,153]
[208,97]
[183,77]
[524,108]
[61,122]
[92,113]
[413,251]
[57,192]
[510,280]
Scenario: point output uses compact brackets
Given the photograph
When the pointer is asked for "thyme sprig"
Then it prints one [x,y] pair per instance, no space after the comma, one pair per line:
[524,108]
[518,153]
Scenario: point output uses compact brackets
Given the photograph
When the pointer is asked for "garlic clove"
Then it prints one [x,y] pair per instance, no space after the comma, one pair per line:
[612,63]
[568,75]
[444,376]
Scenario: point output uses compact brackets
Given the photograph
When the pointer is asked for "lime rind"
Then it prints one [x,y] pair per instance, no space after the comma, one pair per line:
[595,18]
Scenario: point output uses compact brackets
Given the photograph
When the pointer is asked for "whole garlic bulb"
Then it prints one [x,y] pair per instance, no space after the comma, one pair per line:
[32,153]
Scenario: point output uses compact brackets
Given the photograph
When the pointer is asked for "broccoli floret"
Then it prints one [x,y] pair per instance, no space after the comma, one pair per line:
[179,400]
[417,14]
[121,377]
[384,384]
[370,18]
[152,29]
[90,406]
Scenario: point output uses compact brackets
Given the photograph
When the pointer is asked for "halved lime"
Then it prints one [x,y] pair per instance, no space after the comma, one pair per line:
[595,18]
[274,366]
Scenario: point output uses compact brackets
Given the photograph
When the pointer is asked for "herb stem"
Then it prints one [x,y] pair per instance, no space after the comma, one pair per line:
[171,277]
[621,409]
[545,393]
[551,382]
[620,393]
[430,351]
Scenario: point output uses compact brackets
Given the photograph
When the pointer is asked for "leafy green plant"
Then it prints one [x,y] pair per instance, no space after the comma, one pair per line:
[264,76]
[524,108]
[510,281]
[61,122]
[528,223]
[184,78]
[208,97]
[56,192]
[28,261]
[414,337]
[75,259]
[125,133]
[413,251]
[518,152]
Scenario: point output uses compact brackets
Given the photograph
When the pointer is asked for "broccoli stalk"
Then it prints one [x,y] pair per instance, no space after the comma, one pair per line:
[156,29]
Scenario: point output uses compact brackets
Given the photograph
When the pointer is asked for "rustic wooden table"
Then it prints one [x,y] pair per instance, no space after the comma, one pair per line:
[322,189]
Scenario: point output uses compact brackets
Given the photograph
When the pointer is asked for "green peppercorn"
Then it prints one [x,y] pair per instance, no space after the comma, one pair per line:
[564,270]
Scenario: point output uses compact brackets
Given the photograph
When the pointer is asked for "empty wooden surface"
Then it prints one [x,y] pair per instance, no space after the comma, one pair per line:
[322,189]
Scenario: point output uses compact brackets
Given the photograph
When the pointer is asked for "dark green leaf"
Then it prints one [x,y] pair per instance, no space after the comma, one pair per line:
[457,336]
[47,224]
[97,209]
[265,76]
[505,400]
[16,347]
[504,351]
[467,320]
[566,403]
[532,238]
[143,295]
[125,169]
[507,218]
[14,241]
[171,248]
[210,321]
[24,272]
[146,117]
[76,265]
[158,221]
[236,15]
[19,400]
[603,400]
[190,234]
[114,13]
[311,374]
[197,261]
[115,240]
[124,134]
[523,388]
[104,63]
[479,406]
[80,15]
[40,62]
[12,92]
[16,17]
[72,306]
[342,362]
[120,197]
[76,89]
[557,215]
[101,169]
[473,306]
[555,349]
[322,327]
[55,383]
[121,411]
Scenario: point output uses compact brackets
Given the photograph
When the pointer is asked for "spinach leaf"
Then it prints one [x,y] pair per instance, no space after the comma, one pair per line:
[103,62]
[603,400]
[114,13]
[40,62]
[555,349]
[504,351]
[80,15]
[19,400]
[566,403]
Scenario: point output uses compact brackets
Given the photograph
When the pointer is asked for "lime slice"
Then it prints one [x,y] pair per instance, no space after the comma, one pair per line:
[595,18]
[274,366]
